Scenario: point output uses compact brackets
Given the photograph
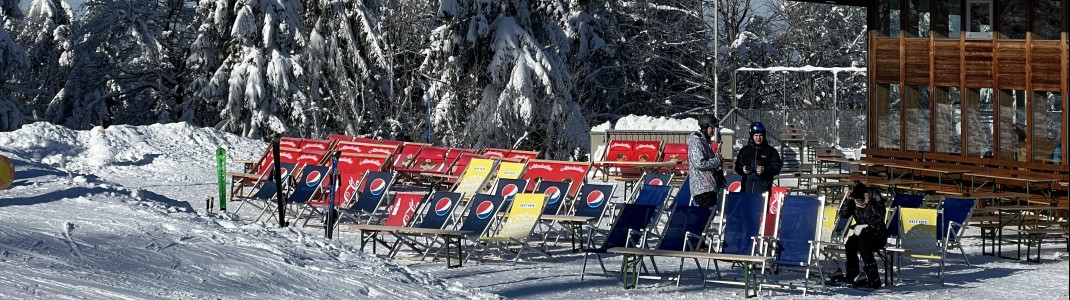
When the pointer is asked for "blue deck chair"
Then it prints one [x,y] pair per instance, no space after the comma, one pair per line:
[266,188]
[632,221]
[304,189]
[653,195]
[556,192]
[742,214]
[686,227]
[370,197]
[508,188]
[592,201]
[951,221]
[683,195]
[649,178]
[482,211]
[800,232]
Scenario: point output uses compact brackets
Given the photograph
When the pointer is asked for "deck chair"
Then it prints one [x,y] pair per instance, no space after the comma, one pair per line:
[631,222]
[511,169]
[523,155]
[244,184]
[400,214]
[799,236]
[742,214]
[509,188]
[475,177]
[440,208]
[951,220]
[685,229]
[892,216]
[553,170]
[555,192]
[774,200]
[304,190]
[653,195]
[592,201]
[652,179]
[406,156]
[524,213]
[919,238]
[370,197]
[683,195]
[265,188]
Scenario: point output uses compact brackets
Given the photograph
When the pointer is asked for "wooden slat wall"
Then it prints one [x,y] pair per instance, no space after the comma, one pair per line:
[1046,60]
[917,61]
[978,64]
[946,63]
[887,60]
[1012,64]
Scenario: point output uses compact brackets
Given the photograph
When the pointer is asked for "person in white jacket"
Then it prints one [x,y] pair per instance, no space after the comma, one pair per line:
[704,164]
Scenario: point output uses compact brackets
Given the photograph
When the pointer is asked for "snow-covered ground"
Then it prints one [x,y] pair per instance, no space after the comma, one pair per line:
[120,214]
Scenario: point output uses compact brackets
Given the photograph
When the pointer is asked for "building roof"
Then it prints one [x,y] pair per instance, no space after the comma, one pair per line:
[842,2]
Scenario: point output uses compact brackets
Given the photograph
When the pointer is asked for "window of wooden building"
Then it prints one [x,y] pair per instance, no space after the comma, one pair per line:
[1012,16]
[977,112]
[948,20]
[1047,126]
[889,18]
[1046,19]
[948,124]
[887,113]
[917,101]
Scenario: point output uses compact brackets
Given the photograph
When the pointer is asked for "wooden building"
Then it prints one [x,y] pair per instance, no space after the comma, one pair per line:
[969,80]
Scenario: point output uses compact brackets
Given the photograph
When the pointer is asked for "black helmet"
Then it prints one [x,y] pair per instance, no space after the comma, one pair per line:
[706,121]
[757,127]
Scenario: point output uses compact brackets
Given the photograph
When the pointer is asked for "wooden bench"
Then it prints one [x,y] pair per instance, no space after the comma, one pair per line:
[450,237]
[634,256]
[1037,236]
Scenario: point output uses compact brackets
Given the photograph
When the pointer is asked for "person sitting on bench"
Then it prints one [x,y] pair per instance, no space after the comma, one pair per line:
[867,236]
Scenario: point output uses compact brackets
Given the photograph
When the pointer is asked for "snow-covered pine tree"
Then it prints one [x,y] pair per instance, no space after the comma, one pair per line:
[122,64]
[498,81]
[12,58]
[45,32]
[257,86]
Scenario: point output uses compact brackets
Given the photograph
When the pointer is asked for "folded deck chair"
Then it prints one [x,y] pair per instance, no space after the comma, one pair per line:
[919,238]
[304,190]
[370,197]
[685,229]
[524,213]
[951,221]
[799,234]
[630,224]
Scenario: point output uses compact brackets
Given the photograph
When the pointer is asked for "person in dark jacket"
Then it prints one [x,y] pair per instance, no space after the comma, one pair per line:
[704,164]
[758,162]
[869,234]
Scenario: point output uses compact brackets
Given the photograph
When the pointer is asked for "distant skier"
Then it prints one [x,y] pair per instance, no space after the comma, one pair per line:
[758,162]
[868,235]
[706,176]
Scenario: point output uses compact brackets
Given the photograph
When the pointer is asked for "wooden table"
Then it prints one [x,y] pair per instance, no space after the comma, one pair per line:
[1004,216]
[574,225]
[992,178]
[941,174]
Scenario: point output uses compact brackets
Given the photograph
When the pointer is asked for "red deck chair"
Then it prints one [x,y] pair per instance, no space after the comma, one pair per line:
[495,152]
[619,151]
[365,140]
[524,155]
[676,152]
[553,170]
[406,155]
[289,142]
[430,160]
[316,145]
[393,142]
[339,137]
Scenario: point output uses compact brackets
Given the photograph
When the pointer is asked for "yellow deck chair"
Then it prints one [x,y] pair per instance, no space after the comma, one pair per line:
[918,237]
[524,213]
[474,178]
[511,170]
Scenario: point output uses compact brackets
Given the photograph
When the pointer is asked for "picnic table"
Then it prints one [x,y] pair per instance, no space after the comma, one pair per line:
[573,224]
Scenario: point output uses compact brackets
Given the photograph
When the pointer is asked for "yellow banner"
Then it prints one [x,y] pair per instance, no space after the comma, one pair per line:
[525,211]
[828,222]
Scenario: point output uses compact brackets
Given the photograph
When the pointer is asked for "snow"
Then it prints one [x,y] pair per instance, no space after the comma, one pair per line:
[119,213]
